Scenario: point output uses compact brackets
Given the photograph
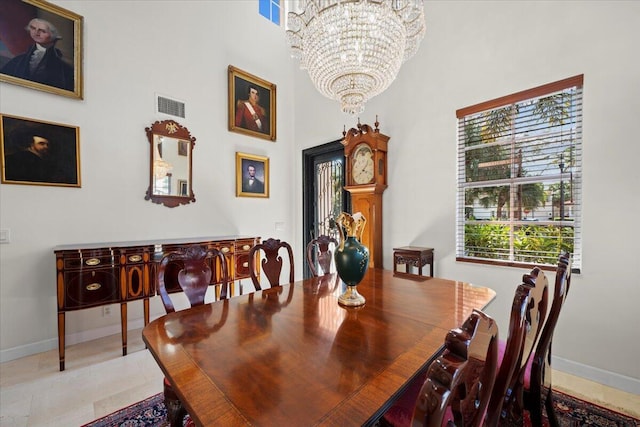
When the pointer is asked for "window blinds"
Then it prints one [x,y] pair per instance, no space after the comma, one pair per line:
[520,177]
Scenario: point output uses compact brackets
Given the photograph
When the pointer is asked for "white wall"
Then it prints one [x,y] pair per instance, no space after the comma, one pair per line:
[475,51]
[134,50]
[472,52]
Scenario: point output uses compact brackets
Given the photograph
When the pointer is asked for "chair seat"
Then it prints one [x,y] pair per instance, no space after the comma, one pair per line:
[401,413]
[527,370]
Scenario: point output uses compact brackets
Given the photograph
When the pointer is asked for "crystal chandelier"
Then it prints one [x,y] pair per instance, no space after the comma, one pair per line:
[353,49]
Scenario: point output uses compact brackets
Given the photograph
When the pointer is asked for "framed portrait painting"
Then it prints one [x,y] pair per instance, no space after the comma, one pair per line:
[252,175]
[183,148]
[41,47]
[252,105]
[39,153]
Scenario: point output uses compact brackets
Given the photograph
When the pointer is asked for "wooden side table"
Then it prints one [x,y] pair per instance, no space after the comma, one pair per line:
[413,256]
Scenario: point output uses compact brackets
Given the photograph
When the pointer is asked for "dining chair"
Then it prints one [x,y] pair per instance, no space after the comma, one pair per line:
[528,313]
[192,269]
[318,250]
[194,272]
[272,262]
[537,377]
[457,385]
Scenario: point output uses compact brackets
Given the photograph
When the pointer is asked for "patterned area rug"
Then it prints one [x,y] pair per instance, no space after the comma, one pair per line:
[575,412]
[571,412]
[147,413]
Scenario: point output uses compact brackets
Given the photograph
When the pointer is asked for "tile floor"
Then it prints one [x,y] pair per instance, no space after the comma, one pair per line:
[98,381]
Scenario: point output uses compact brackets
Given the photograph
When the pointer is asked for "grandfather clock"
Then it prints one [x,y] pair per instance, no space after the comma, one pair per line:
[365,150]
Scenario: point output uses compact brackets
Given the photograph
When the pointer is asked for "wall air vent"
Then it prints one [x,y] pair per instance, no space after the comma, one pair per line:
[170,106]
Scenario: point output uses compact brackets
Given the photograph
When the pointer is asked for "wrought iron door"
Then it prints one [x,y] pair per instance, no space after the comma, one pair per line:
[323,192]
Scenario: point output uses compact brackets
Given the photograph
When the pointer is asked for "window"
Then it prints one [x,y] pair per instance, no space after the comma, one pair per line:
[270,9]
[520,177]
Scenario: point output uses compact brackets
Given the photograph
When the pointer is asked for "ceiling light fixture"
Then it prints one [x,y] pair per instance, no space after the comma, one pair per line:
[353,49]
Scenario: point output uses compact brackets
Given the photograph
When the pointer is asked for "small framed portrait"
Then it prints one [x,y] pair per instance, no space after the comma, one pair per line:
[41,47]
[252,105]
[183,147]
[252,175]
[39,153]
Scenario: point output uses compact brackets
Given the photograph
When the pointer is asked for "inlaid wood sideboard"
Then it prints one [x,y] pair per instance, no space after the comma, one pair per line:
[97,274]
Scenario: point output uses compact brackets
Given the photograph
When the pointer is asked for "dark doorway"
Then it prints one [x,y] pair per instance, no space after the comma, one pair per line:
[323,193]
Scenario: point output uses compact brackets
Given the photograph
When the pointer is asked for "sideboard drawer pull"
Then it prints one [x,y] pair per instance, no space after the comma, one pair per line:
[135,258]
[246,247]
[93,286]
[92,261]
[224,249]
[245,264]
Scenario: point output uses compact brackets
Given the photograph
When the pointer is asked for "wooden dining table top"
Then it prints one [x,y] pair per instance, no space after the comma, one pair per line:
[292,356]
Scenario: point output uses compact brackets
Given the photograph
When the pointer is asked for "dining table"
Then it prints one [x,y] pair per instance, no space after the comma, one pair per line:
[291,355]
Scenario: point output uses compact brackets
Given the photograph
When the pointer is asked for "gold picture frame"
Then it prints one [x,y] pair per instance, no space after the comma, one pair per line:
[36,152]
[251,166]
[60,69]
[248,115]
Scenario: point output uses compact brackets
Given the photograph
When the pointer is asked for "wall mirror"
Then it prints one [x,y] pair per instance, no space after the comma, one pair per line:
[170,180]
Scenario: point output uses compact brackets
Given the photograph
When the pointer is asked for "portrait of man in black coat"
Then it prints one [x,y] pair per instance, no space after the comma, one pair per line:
[39,152]
[250,182]
[42,62]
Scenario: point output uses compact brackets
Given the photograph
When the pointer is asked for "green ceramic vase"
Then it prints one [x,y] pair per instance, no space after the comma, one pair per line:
[352,257]
[352,260]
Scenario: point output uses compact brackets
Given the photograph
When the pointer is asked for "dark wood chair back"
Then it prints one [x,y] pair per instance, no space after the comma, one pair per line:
[195,269]
[318,249]
[272,262]
[456,387]
[459,382]
[528,313]
[538,393]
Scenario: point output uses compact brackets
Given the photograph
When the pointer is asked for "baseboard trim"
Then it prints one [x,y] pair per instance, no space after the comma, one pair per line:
[70,339]
[611,379]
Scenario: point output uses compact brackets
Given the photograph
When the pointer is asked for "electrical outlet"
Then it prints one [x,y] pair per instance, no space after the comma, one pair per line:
[5,235]
[106,310]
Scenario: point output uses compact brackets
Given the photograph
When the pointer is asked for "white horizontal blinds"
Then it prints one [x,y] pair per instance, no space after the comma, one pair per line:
[520,176]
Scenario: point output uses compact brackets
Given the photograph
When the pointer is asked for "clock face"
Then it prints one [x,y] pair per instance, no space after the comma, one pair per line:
[362,168]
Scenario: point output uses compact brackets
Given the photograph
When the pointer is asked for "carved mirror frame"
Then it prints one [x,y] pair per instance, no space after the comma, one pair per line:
[183,147]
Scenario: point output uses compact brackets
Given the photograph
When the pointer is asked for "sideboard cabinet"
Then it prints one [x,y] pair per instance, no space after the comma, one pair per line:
[97,274]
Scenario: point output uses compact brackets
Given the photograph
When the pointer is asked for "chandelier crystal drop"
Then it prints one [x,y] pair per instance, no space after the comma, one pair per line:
[353,49]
